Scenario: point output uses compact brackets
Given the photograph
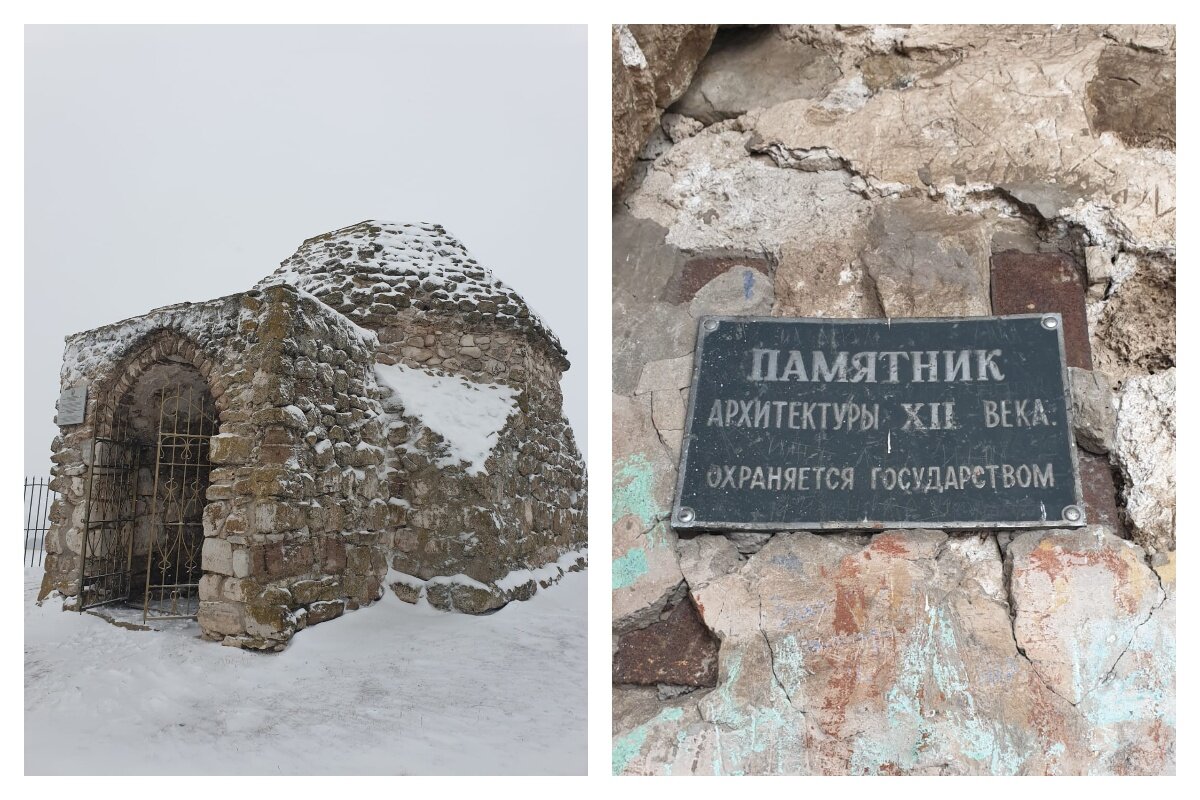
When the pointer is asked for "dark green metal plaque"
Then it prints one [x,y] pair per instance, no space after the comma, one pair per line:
[822,424]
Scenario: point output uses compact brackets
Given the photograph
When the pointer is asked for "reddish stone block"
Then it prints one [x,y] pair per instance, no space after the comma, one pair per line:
[679,651]
[275,453]
[1099,491]
[695,274]
[273,561]
[335,556]
[1034,283]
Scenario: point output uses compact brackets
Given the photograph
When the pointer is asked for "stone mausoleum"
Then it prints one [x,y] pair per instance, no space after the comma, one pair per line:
[378,412]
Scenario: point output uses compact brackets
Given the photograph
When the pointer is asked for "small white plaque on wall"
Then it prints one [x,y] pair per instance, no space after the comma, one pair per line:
[71,404]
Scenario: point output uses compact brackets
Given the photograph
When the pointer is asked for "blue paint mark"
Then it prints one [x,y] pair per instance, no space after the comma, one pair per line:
[748,283]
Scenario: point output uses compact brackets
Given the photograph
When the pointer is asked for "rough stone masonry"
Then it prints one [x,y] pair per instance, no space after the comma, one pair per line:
[389,415]
[895,171]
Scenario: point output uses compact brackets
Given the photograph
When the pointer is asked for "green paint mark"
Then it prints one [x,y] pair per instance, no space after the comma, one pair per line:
[744,732]
[628,568]
[1145,692]
[789,663]
[913,729]
[626,748]
[633,490]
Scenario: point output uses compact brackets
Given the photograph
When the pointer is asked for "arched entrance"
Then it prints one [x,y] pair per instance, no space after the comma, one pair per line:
[146,492]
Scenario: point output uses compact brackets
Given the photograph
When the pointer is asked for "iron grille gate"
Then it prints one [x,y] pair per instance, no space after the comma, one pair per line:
[186,421]
[172,533]
[110,515]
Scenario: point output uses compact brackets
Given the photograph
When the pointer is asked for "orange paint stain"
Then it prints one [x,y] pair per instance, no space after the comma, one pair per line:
[890,543]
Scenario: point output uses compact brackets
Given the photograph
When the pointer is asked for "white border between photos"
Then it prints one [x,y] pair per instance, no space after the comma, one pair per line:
[599,16]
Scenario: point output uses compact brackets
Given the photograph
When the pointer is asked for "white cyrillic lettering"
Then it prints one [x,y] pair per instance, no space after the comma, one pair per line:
[822,371]
[715,415]
[864,365]
[935,479]
[925,361]
[772,358]
[794,366]
[1043,478]
[1024,478]
[893,358]
[958,362]
[985,367]
[713,476]
[990,418]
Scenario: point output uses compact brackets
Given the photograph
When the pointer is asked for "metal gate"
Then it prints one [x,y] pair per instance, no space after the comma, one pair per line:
[110,514]
[186,421]
[170,526]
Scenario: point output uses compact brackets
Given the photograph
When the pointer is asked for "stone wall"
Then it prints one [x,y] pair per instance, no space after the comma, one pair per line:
[328,472]
[871,171]
[475,538]
[297,498]
[525,510]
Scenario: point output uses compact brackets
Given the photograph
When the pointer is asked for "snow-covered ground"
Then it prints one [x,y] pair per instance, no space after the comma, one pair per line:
[389,689]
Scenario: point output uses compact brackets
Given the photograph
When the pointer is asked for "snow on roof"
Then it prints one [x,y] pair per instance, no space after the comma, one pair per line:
[467,415]
[369,270]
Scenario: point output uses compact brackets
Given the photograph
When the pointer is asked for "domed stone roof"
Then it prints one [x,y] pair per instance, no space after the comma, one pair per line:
[372,271]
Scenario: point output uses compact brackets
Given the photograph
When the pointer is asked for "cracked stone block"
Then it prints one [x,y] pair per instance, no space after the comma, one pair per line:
[1099,264]
[1036,283]
[698,272]
[1138,320]
[673,440]
[652,65]
[705,557]
[745,726]
[679,651]
[962,134]
[1093,409]
[669,409]
[1079,597]
[901,70]
[754,68]
[1133,95]
[672,54]
[667,374]
[713,198]
[896,657]
[1132,713]
[927,263]
[749,542]
[825,279]
[643,262]
[1045,200]
[1144,449]
[741,291]
[645,573]
[645,570]
[634,112]
[646,332]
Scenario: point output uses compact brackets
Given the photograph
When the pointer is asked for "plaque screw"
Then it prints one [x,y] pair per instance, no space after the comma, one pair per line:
[1049,322]
[710,325]
[1072,514]
[686,515]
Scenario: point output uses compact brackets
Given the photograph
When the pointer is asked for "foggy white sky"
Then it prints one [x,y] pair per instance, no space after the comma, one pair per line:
[166,164]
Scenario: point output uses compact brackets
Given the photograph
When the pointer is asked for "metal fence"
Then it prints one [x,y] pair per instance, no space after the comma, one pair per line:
[38,497]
